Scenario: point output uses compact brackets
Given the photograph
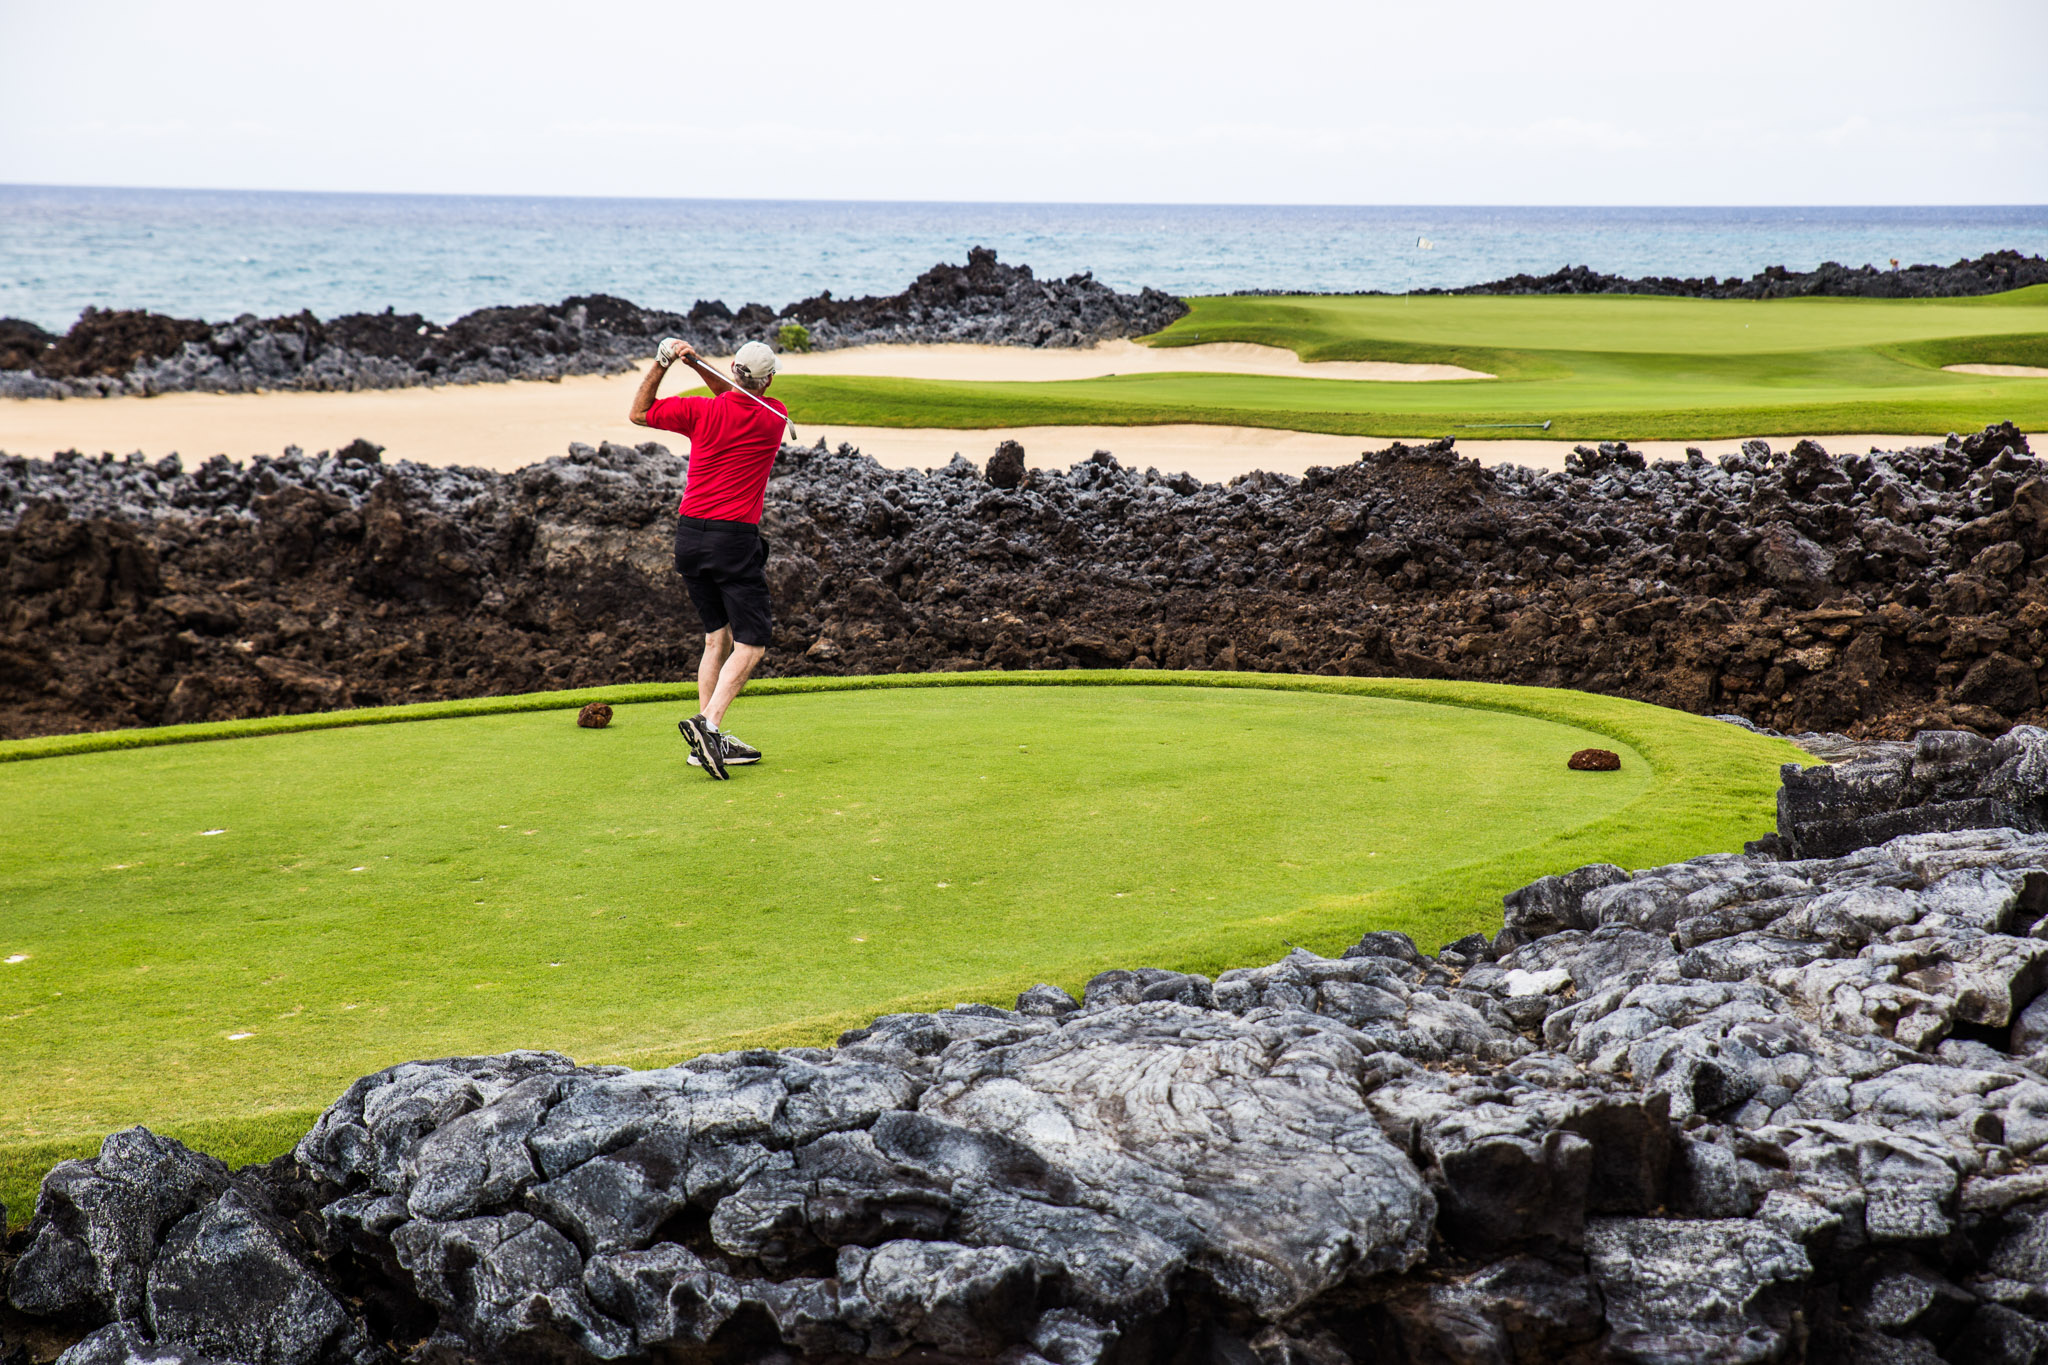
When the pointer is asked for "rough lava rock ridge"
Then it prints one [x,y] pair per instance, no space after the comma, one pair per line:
[1876,594]
[108,353]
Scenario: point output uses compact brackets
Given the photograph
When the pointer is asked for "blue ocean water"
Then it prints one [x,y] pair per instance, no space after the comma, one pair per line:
[215,254]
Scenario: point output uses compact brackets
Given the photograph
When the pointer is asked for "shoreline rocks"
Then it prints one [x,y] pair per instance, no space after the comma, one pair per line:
[1736,1108]
[109,353]
[1995,272]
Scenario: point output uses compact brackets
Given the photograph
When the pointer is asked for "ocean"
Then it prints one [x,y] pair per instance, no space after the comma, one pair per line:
[215,254]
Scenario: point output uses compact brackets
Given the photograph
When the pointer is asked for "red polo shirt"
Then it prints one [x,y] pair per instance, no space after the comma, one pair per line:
[733,442]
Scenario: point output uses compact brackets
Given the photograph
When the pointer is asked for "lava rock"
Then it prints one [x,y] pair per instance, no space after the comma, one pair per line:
[124,1343]
[1043,999]
[1944,781]
[2002,683]
[310,581]
[1006,466]
[1992,273]
[99,1223]
[594,716]
[1594,761]
[1787,559]
[232,1281]
[134,352]
[1706,1290]
[1766,1100]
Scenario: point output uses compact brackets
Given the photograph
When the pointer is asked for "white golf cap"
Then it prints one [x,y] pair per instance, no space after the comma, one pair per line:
[756,359]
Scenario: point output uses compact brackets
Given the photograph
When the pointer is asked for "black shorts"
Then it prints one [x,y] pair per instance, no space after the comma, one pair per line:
[724,564]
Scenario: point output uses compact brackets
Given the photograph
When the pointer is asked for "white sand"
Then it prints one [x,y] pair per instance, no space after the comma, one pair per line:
[507,426]
[2001,371]
[1105,358]
[498,426]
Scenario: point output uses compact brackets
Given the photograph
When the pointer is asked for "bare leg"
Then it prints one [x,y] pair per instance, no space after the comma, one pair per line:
[739,667]
[715,647]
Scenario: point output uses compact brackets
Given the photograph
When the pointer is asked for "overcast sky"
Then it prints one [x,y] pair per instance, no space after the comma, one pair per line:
[1474,102]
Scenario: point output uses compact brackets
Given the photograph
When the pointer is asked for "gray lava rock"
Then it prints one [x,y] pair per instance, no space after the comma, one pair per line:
[232,1281]
[664,1294]
[1997,1335]
[1114,988]
[1722,1289]
[1386,943]
[1949,781]
[98,1225]
[124,1343]
[1271,1222]
[1046,1001]
[1551,904]
[1762,1109]
[965,1300]
[507,1284]
[374,1129]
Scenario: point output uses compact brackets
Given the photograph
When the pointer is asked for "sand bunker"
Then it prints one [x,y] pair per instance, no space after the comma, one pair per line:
[1107,358]
[498,426]
[508,426]
[2001,371]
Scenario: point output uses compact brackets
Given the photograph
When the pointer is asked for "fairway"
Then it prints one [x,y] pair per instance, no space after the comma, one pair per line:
[211,932]
[1596,366]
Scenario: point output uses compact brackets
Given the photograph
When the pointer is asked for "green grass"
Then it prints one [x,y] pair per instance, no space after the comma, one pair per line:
[1598,367]
[493,877]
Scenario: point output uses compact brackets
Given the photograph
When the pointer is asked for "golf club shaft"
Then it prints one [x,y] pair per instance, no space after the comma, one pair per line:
[703,366]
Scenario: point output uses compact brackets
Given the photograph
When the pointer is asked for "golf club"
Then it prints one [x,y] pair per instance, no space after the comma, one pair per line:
[667,355]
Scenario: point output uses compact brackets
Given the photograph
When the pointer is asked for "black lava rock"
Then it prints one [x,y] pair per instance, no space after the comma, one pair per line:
[132,352]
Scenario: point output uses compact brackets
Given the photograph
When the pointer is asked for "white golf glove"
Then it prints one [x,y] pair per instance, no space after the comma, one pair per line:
[670,348]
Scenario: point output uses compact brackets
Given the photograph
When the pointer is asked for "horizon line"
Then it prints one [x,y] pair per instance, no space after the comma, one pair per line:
[961,203]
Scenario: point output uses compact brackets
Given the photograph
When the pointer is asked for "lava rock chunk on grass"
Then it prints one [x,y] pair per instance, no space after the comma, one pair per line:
[594,716]
[1594,761]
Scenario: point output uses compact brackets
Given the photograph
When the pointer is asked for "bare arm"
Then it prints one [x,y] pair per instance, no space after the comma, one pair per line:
[650,383]
[643,397]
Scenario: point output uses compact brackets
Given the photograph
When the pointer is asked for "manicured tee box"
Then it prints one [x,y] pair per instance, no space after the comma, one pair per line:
[203,936]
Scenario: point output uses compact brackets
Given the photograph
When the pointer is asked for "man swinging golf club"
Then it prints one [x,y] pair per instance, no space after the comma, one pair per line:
[734,436]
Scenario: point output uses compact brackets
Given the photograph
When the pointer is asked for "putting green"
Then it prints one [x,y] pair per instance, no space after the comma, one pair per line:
[212,933]
[1596,366]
